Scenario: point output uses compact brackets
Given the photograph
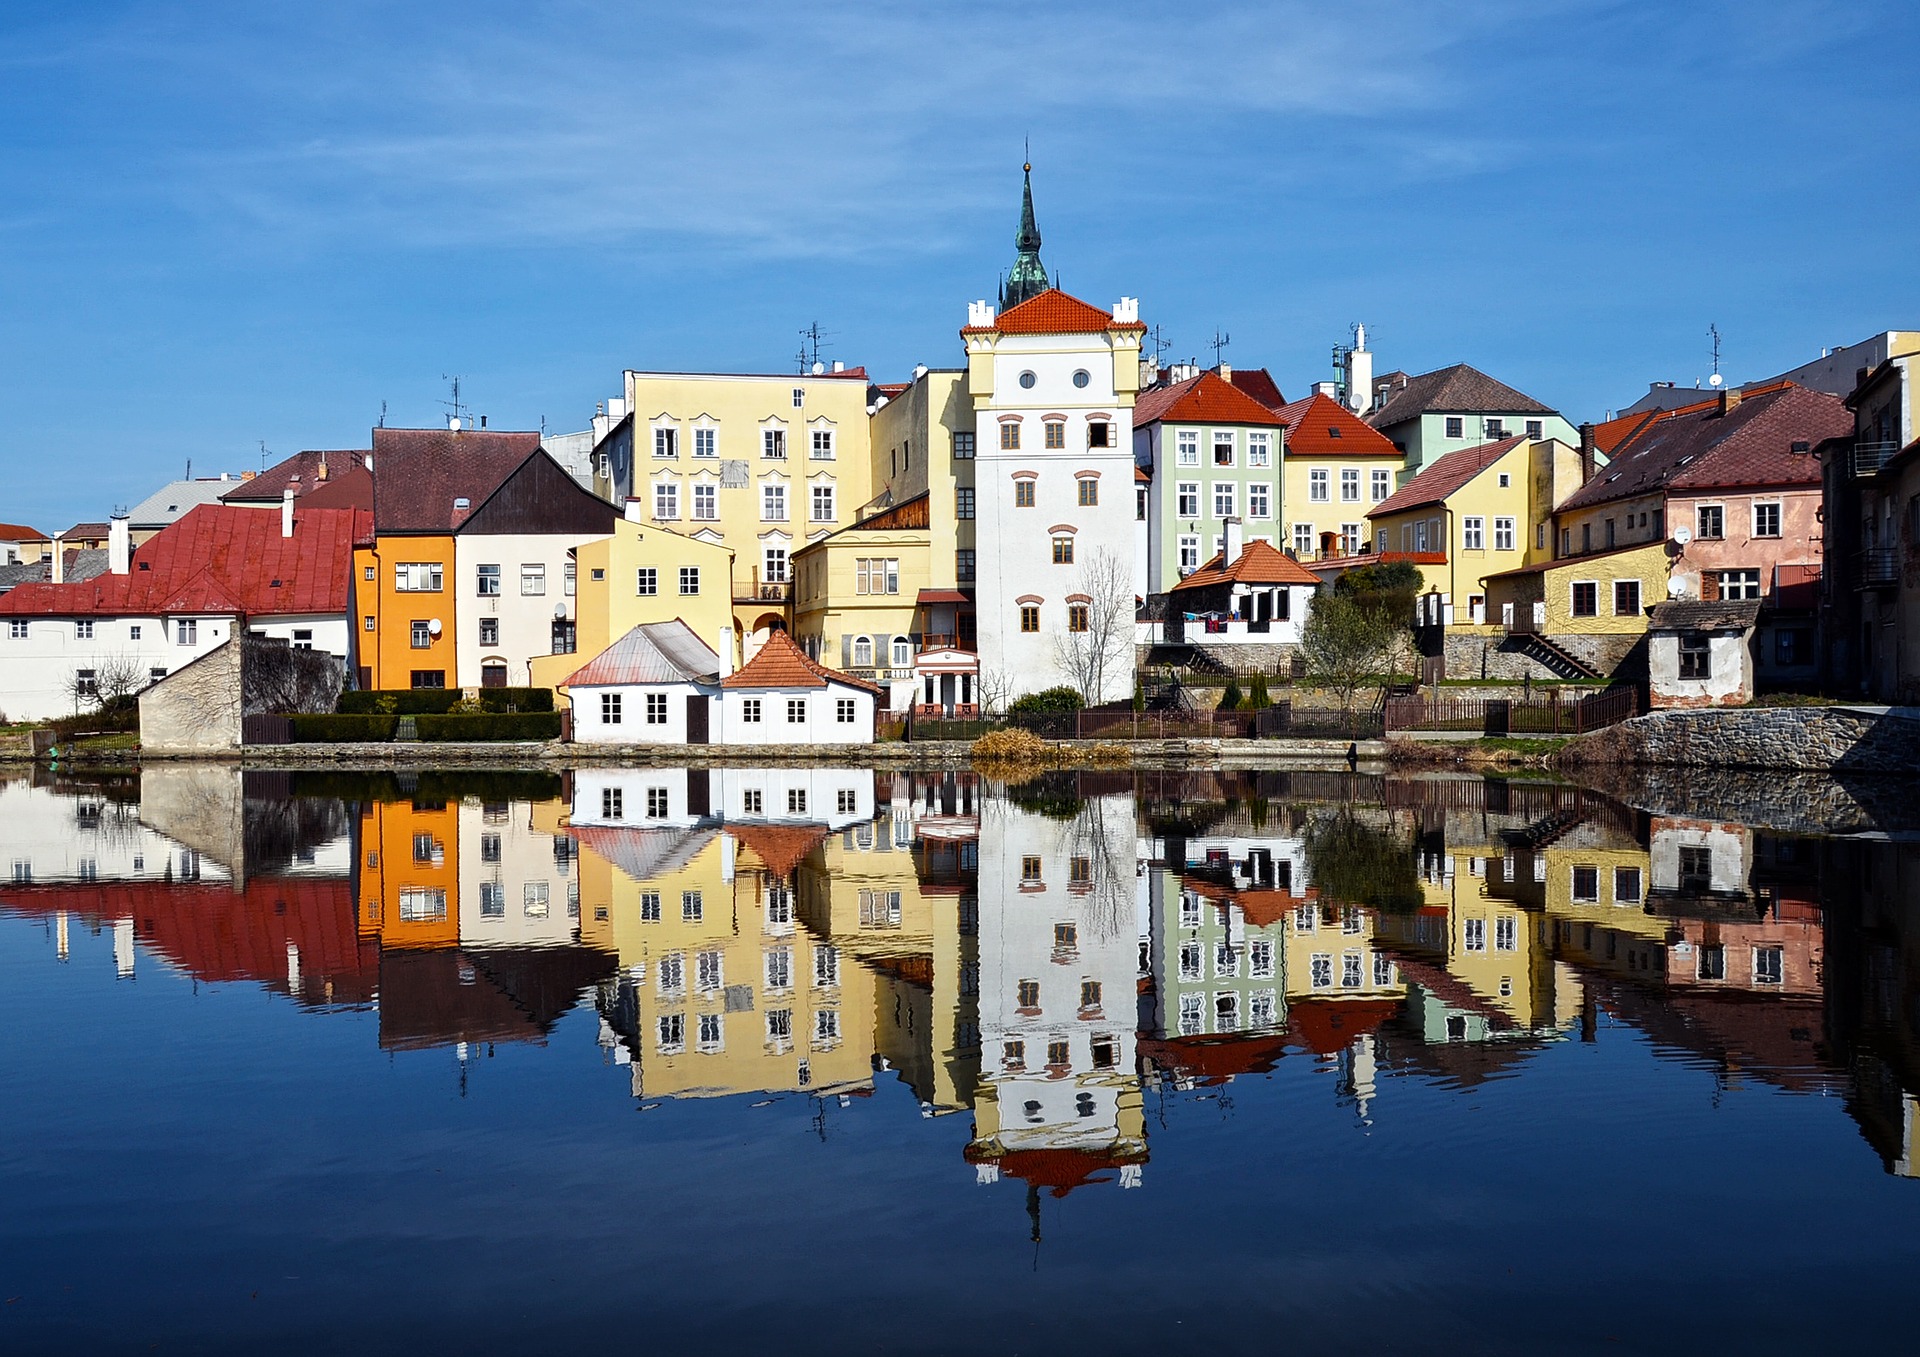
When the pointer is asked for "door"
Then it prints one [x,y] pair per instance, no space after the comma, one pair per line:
[697,719]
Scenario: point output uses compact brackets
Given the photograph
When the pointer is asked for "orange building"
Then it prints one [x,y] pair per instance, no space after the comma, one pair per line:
[409,873]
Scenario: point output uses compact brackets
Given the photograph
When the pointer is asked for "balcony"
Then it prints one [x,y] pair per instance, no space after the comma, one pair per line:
[941,640]
[756,590]
[1877,568]
[1524,619]
[1868,458]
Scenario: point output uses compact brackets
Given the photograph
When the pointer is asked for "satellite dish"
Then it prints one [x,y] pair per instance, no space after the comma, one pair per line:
[433,627]
[559,612]
[1683,535]
[1676,587]
[1715,380]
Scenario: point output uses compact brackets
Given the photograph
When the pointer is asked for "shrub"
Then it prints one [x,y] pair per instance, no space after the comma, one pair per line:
[351,728]
[520,699]
[1230,699]
[1139,696]
[539,725]
[1061,699]
[1257,699]
[398,701]
[1012,746]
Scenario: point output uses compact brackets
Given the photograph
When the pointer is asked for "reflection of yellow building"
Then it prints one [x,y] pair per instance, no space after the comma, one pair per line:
[720,990]
[1340,984]
[409,873]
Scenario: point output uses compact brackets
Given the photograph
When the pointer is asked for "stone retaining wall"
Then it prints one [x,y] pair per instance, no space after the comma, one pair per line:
[1836,739]
[1613,656]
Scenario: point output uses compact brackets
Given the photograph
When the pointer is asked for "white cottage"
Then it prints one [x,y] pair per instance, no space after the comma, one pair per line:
[1255,594]
[781,696]
[655,685]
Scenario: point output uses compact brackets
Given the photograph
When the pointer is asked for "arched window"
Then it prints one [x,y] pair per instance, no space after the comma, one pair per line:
[862,652]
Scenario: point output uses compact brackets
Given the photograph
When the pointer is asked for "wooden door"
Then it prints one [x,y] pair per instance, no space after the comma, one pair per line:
[697,718]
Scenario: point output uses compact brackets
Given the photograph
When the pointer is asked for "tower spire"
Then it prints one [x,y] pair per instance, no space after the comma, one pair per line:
[1028,277]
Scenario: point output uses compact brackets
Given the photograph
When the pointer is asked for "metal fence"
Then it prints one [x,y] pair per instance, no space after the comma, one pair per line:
[1499,716]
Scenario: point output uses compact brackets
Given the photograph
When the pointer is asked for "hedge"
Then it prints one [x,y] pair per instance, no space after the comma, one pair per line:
[440,701]
[352,728]
[538,725]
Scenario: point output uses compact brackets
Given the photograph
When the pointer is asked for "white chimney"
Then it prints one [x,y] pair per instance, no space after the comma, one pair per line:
[286,512]
[1126,311]
[1359,373]
[1234,539]
[979,314]
[1331,389]
[59,572]
[839,366]
[725,651]
[119,544]
[634,508]
[1224,372]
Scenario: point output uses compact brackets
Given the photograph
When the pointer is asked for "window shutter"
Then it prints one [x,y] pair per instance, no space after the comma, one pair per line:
[846,650]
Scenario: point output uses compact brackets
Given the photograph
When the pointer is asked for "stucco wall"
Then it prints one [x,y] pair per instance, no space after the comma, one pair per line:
[1729,681]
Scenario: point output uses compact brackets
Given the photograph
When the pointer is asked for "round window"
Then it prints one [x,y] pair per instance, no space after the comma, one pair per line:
[1081,378]
[1026,380]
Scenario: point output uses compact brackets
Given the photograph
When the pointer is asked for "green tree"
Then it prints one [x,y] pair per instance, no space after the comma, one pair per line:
[1230,699]
[1344,644]
[1257,698]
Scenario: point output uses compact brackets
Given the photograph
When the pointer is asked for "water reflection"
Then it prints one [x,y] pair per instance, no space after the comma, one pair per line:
[1050,959]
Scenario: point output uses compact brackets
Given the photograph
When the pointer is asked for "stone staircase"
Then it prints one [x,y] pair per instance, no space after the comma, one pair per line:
[1559,661]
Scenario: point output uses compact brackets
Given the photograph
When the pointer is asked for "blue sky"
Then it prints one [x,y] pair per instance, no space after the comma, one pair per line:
[232,223]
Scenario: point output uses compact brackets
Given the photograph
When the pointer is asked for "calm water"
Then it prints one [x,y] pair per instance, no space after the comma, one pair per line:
[841,1061]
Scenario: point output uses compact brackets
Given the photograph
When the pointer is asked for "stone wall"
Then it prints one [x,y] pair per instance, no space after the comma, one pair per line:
[1618,657]
[1835,739]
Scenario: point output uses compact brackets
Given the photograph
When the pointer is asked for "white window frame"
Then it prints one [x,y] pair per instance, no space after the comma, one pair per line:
[1473,533]
[1504,534]
[1319,485]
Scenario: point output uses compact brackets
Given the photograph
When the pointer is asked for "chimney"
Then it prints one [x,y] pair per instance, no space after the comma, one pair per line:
[119,543]
[286,512]
[58,571]
[1587,452]
[1359,373]
[1224,372]
[839,366]
[1233,542]
[634,509]
[1729,400]
[725,651]
[320,473]
[1328,389]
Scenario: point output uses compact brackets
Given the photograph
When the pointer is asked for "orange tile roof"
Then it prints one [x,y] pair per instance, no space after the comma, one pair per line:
[1445,476]
[781,848]
[20,532]
[1258,563]
[1320,426]
[1054,312]
[1205,399]
[782,664]
[1142,476]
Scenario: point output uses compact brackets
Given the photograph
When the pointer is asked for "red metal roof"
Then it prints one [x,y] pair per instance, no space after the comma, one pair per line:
[652,652]
[1205,399]
[782,664]
[1320,426]
[1054,312]
[1259,383]
[1445,476]
[218,558]
[1258,563]
[941,596]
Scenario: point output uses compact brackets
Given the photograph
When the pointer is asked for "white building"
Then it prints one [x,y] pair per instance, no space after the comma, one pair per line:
[781,696]
[1053,382]
[174,598]
[655,685]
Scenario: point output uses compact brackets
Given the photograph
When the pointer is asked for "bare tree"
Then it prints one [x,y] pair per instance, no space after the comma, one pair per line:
[1344,645]
[109,680]
[1102,648]
[994,688]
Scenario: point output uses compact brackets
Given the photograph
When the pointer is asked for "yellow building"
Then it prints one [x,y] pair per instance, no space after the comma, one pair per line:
[1593,608]
[721,989]
[1334,468]
[641,574]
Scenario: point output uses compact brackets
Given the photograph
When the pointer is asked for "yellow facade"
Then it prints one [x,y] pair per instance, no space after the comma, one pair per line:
[1304,522]
[400,647]
[408,877]
[1625,583]
[609,603]
[730,993]
[915,452]
[855,595]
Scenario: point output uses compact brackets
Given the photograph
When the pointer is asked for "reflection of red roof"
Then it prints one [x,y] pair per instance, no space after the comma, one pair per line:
[216,559]
[1325,1026]
[1059,1170]
[1257,563]
[1320,426]
[215,933]
[1214,1060]
[782,664]
[1053,312]
[1263,907]
[781,847]
[1451,991]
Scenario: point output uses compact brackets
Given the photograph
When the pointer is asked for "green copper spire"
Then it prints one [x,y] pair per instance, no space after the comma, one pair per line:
[1028,277]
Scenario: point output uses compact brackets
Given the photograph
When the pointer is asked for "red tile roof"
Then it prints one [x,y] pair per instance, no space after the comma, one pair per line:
[1456,390]
[348,489]
[1258,563]
[300,472]
[86,532]
[1259,383]
[1697,448]
[20,532]
[1205,399]
[419,473]
[782,664]
[1054,312]
[1320,426]
[781,848]
[1433,485]
[218,558]
[1142,476]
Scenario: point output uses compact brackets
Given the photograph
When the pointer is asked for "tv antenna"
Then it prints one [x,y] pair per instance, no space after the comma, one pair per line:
[812,340]
[1713,332]
[263,454]
[383,416]
[1160,342]
[1219,343]
[456,409]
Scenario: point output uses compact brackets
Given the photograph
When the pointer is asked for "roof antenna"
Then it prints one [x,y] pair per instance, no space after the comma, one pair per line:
[456,411]
[1716,379]
[1160,343]
[1219,343]
[383,416]
[263,454]
[811,340]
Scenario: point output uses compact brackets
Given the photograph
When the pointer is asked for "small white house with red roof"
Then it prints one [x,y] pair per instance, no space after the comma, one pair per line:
[1252,593]
[781,696]
[216,573]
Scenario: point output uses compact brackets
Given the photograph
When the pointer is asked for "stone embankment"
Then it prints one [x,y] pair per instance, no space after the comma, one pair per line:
[1851,740]
[1263,755]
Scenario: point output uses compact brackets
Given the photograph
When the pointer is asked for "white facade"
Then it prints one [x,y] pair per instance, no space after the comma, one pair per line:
[1036,381]
[639,713]
[508,613]
[519,887]
[681,798]
[839,713]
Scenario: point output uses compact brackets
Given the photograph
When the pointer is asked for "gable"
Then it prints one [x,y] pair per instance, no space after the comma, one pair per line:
[540,497]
